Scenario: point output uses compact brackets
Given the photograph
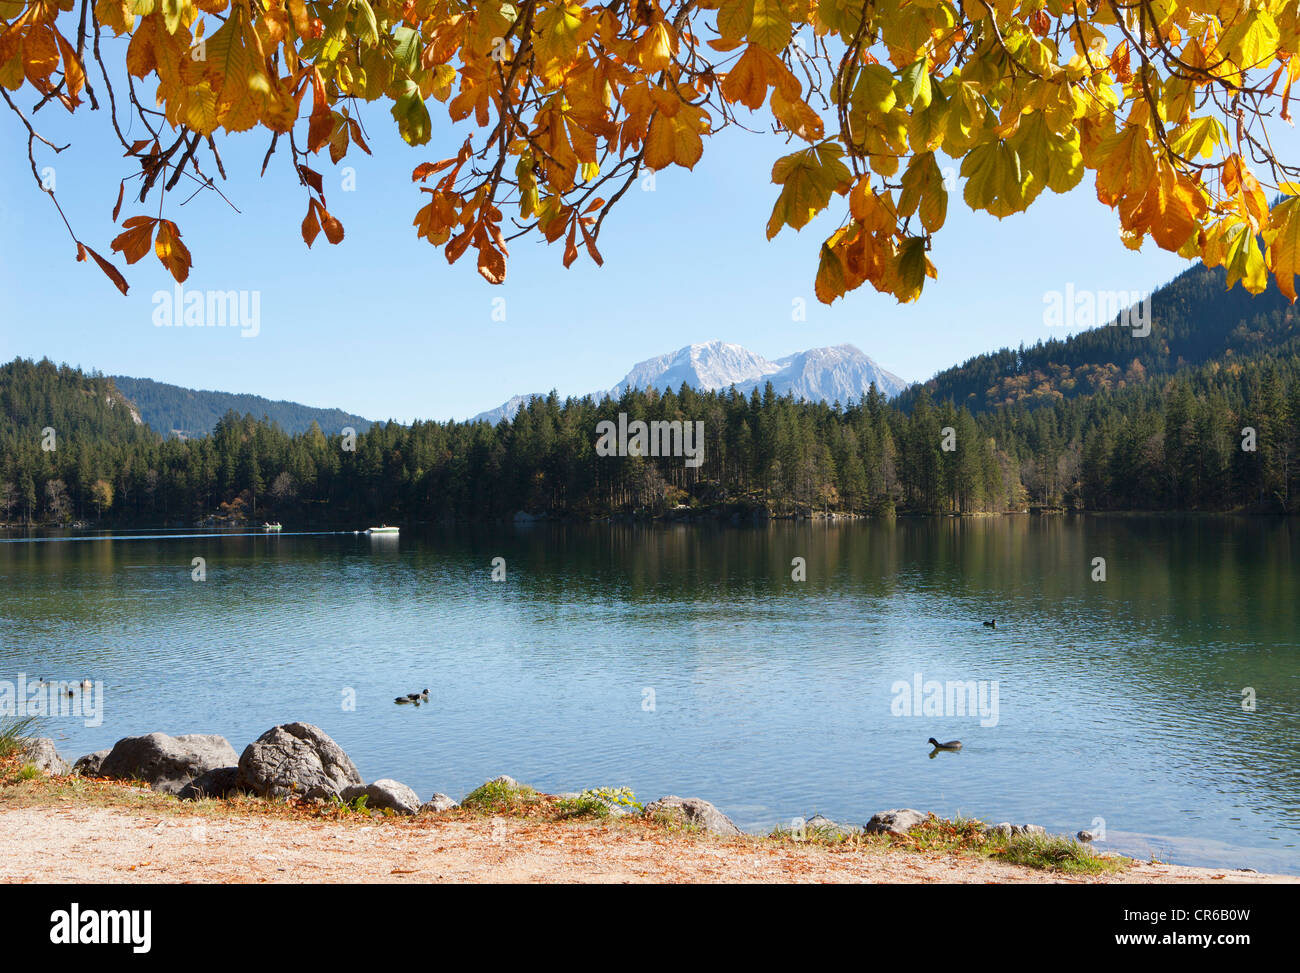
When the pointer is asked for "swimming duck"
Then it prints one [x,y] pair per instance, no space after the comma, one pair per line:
[950,745]
[991,623]
[87,684]
[403,699]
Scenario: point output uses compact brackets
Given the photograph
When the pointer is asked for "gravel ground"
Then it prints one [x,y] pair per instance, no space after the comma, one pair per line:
[78,843]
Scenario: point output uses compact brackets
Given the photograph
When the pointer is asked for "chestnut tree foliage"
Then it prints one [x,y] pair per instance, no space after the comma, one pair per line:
[558,107]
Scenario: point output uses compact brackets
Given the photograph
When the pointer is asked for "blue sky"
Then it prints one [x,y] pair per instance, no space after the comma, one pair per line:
[382,326]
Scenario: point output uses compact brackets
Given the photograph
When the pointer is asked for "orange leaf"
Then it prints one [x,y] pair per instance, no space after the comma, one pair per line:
[310,225]
[133,243]
[332,227]
[171,252]
[110,271]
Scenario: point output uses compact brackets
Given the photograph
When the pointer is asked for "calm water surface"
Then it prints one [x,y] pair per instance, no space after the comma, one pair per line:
[1119,700]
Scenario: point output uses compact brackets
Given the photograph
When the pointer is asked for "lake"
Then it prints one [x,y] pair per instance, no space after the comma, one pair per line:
[1161,704]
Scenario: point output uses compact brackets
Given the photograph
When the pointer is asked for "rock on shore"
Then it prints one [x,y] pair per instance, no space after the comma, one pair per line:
[167,763]
[897,821]
[42,752]
[296,758]
[384,795]
[692,811]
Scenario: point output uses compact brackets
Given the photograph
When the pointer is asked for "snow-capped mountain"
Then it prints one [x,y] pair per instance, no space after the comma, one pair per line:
[709,367]
[833,374]
[507,409]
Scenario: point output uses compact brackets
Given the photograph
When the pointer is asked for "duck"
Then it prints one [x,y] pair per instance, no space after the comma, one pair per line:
[991,623]
[950,745]
[87,684]
[403,699]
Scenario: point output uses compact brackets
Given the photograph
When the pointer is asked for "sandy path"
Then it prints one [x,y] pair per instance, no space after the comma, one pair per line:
[100,845]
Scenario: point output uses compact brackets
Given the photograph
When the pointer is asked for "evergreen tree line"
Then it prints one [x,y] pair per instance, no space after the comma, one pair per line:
[1221,437]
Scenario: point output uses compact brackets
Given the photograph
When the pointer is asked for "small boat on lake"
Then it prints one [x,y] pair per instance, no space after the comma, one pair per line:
[272,527]
[383,530]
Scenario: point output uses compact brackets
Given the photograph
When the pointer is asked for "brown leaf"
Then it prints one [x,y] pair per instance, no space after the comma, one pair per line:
[571,246]
[332,227]
[591,245]
[109,270]
[121,188]
[313,179]
[134,241]
[173,254]
[491,264]
[310,225]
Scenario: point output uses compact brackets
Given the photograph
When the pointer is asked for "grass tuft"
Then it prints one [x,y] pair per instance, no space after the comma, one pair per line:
[498,797]
[14,733]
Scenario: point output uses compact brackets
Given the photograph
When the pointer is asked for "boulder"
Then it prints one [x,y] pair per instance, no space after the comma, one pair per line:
[167,763]
[1018,829]
[819,824]
[296,758]
[693,811]
[88,766]
[1003,830]
[42,752]
[439,802]
[384,795]
[1085,836]
[896,821]
[220,782]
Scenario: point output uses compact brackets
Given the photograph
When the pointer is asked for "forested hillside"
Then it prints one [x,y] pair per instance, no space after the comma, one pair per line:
[1174,444]
[173,410]
[1195,320]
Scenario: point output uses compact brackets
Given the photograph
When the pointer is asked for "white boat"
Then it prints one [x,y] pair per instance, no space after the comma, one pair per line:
[383,530]
[272,527]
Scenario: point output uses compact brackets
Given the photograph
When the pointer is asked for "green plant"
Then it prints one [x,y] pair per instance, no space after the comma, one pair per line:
[1057,853]
[29,771]
[13,733]
[498,795]
[599,802]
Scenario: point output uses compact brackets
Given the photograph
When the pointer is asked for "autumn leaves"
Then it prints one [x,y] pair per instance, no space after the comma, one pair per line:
[571,100]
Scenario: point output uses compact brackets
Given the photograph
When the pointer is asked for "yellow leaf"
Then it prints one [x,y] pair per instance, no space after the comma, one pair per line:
[808,179]
[171,252]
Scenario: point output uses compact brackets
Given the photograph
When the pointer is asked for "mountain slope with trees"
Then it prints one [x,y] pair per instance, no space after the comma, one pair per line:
[1224,436]
[1195,320]
[176,411]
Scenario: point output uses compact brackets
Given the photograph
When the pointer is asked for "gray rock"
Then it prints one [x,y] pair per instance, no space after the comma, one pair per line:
[501,779]
[88,766]
[1028,829]
[1004,829]
[1085,836]
[167,763]
[896,821]
[437,803]
[219,783]
[42,752]
[296,758]
[820,824]
[692,811]
[384,795]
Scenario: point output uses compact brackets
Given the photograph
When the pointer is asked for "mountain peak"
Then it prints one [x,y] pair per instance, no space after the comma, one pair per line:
[832,374]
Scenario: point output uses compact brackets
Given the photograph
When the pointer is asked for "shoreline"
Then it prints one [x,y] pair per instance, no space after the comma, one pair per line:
[141,837]
[729,515]
[107,820]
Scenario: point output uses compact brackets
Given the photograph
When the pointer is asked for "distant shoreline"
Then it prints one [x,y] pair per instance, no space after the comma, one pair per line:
[699,518]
